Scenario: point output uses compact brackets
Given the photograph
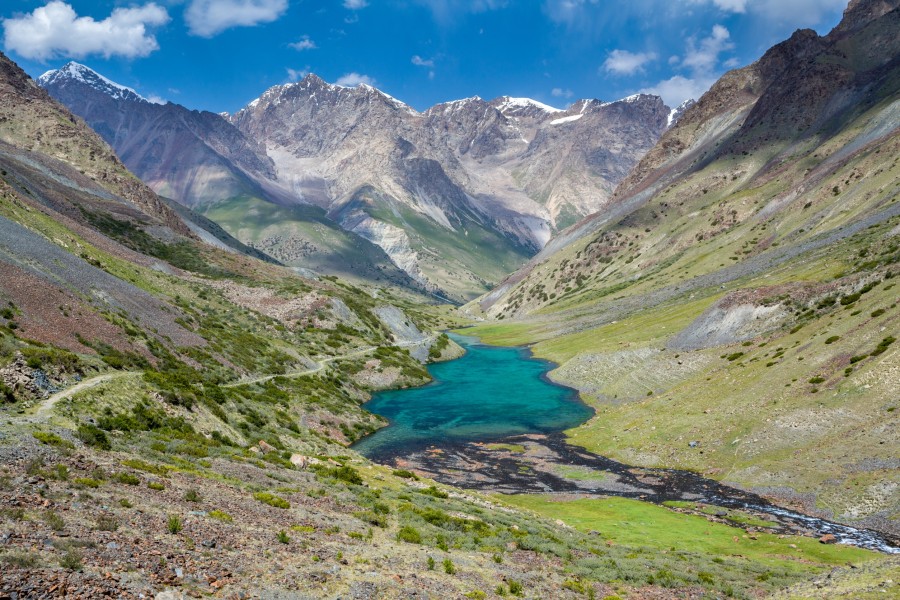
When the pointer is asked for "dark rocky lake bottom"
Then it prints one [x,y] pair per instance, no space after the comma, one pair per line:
[492,421]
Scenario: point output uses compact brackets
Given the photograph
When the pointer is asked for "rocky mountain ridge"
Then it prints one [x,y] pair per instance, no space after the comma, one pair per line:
[437,191]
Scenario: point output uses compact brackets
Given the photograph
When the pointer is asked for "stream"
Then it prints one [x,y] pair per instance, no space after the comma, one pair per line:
[492,421]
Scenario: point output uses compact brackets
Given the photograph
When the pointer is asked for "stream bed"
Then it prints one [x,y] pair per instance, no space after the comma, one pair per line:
[492,421]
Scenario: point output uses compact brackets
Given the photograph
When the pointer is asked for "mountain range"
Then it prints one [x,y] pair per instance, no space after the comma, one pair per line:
[456,196]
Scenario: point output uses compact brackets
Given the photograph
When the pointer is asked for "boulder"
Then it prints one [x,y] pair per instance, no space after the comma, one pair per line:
[265,447]
[828,538]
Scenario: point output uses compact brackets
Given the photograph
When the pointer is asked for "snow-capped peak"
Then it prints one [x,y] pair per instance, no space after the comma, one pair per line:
[508,103]
[676,113]
[74,71]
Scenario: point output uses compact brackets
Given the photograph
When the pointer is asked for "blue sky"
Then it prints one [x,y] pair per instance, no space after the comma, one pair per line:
[220,54]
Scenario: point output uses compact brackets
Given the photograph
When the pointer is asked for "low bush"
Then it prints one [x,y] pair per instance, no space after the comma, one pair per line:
[272,500]
[409,534]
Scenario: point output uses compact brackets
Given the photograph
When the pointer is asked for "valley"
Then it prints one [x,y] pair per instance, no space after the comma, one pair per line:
[332,346]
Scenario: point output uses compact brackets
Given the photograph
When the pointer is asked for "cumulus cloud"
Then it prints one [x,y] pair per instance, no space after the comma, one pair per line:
[703,55]
[677,89]
[56,31]
[354,79]
[701,60]
[304,44]
[355,4]
[623,62]
[155,99]
[295,75]
[421,62]
[207,18]
[561,93]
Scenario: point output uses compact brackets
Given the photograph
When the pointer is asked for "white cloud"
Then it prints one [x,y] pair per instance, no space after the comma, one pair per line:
[623,62]
[735,6]
[55,30]
[701,59]
[791,13]
[354,79]
[304,44]
[421,62]
[796,13]
[207,18]
[153,98]
[677,89]
[355,4]
[561,93]
[295,75]
[705,55]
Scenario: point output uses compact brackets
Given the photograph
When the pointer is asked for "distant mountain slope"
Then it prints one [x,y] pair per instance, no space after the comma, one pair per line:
[203,162]
[734,308]
[462,192]
[194,157]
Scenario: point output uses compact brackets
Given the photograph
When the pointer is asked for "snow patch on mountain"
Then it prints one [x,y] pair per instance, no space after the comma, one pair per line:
[568,119]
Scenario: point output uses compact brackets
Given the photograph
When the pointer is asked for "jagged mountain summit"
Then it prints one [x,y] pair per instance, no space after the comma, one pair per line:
[462,182]
[457,196]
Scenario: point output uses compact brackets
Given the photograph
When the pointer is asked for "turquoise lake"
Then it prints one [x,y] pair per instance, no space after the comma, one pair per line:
[489,393]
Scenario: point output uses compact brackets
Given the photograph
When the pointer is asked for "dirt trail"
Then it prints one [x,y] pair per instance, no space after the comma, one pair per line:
[320,364]
[46,406]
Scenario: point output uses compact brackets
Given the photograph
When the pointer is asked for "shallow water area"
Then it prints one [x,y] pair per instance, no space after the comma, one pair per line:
[489,393]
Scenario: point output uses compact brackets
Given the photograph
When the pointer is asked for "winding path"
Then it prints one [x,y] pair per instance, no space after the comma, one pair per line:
[46,406]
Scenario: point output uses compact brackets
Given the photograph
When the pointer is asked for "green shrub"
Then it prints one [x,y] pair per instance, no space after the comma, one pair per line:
[51,439]
[832,339]
[343,473]
[883,345]
[817,380]
[430,563]
[156,485]
[449,567]
[126,478]
[409,534]
[93,436]
[192,495]
[433,491]
[272,500]
[174,524]
[405,474]
[71,561]
[88,482]
[221,516]
[515,588]
[283,537]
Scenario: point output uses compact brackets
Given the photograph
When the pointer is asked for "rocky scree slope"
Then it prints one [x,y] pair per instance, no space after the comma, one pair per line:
[734,309]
